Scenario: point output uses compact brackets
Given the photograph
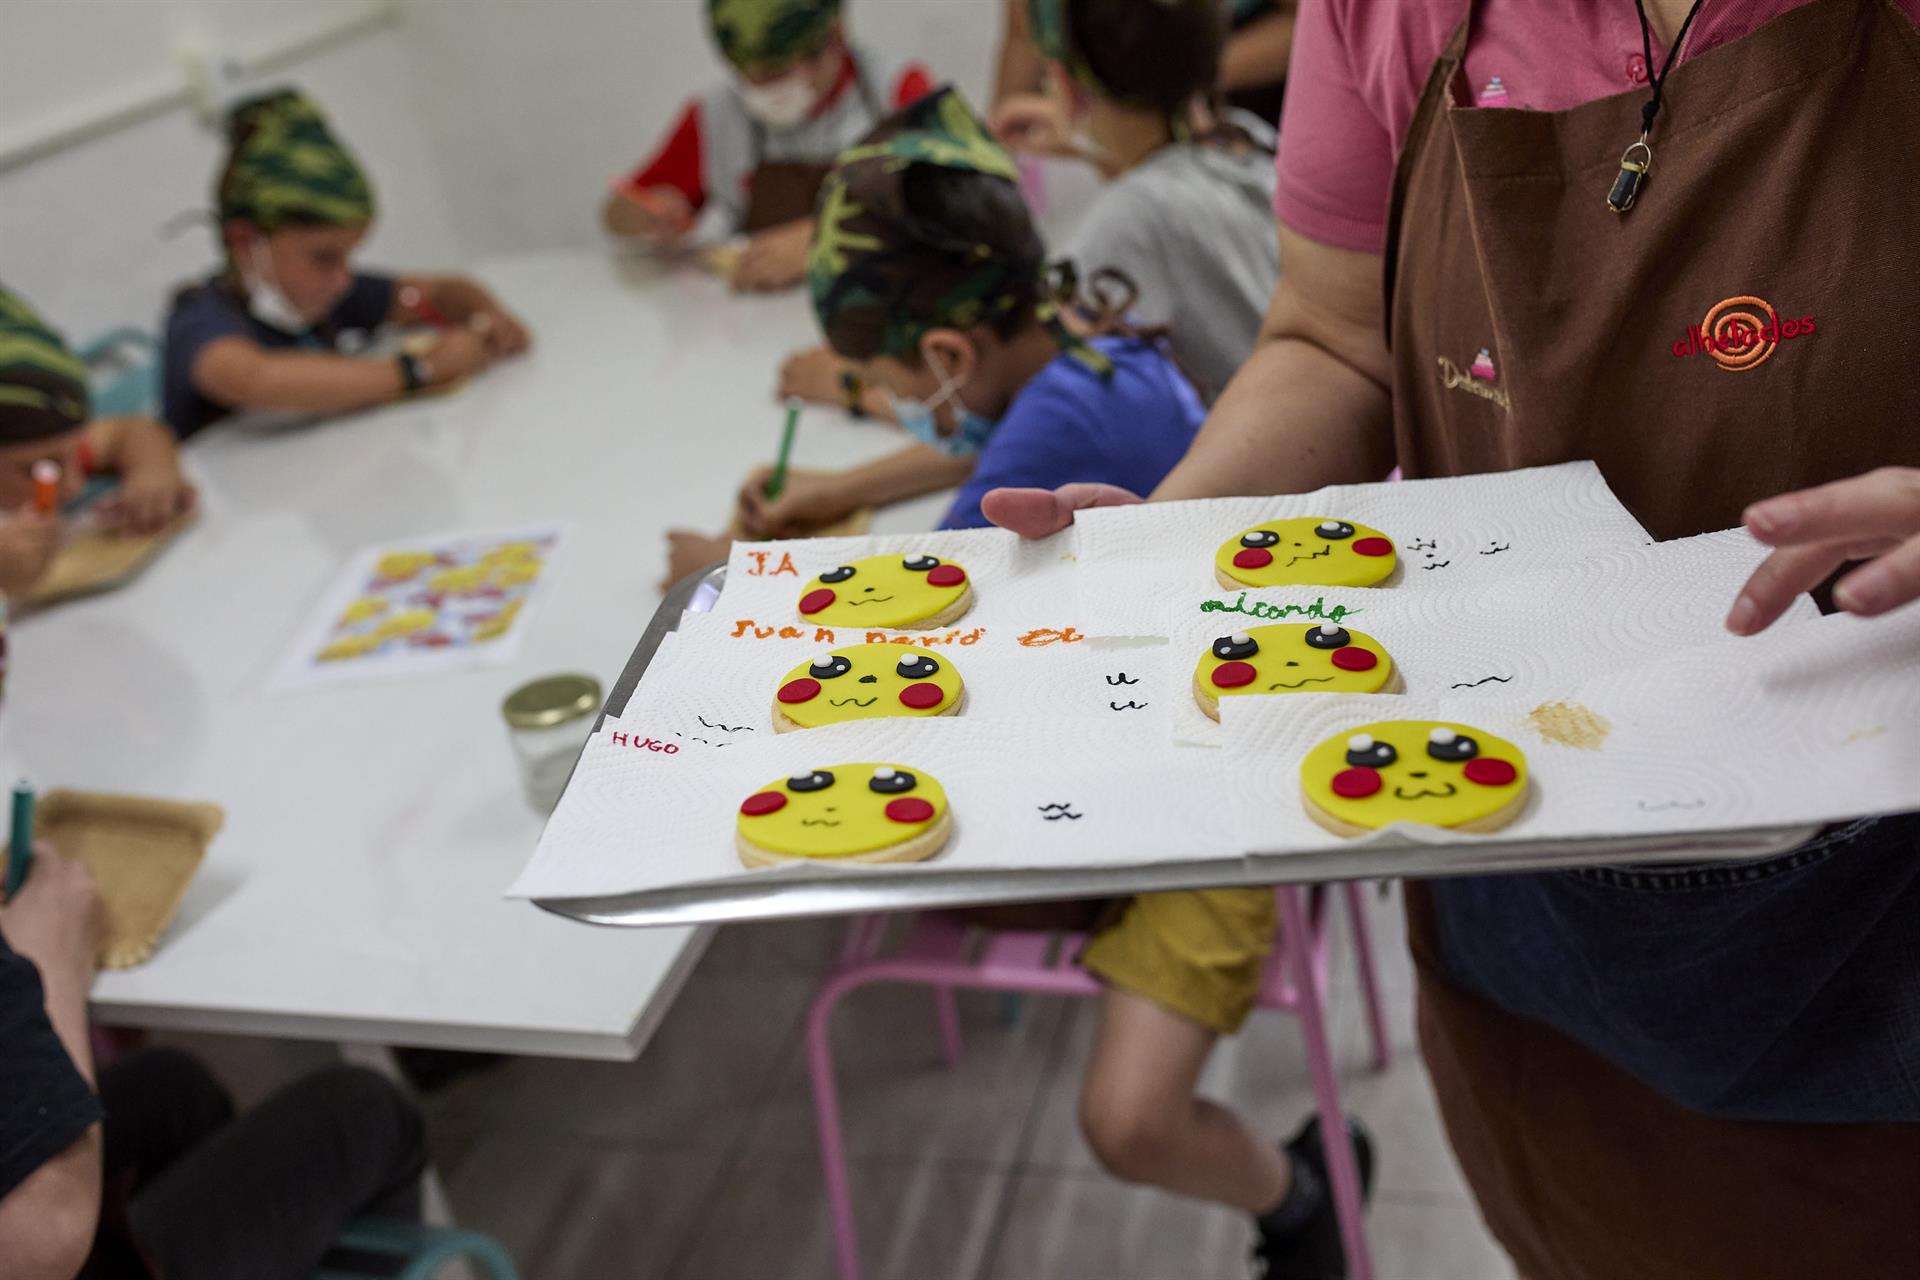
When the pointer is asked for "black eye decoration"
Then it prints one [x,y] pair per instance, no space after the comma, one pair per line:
[1238,646]
[892,782]
[841,574]
[1328,636]
[829,666]
[918,667]
[1259,538]
[920,564]
[1447,744]
[818,780]
[1334,530]
[1364,750]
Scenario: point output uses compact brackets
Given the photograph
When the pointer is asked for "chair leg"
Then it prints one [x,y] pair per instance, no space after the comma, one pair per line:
[947,1010]
[826,1114]
[1341,1165]
[1369,974]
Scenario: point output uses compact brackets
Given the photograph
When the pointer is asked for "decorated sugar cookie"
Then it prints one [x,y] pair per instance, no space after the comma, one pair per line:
[1308,551]
[866,682]
[1292,658]
[862,813]
[888,591]
[1444,775]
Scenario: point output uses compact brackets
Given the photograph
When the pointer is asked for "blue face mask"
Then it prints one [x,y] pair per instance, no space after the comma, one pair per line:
[917,419]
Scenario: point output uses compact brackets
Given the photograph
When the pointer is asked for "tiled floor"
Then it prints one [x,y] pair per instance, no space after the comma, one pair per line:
[698,1162]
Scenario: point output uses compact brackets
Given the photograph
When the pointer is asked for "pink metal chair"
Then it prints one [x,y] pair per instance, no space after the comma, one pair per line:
[943,952]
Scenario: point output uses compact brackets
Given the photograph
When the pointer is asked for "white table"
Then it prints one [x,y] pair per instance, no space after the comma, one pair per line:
[355,894]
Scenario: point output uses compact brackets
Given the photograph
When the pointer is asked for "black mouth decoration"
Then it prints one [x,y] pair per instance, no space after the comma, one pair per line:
[1297,683]
[1324,551]
[852,702]
[855,604]
[1400,793]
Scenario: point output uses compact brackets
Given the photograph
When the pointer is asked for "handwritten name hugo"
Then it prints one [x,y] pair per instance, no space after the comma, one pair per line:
[1319,610]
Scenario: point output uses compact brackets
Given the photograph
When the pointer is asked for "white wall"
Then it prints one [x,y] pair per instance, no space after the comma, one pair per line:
[535,104]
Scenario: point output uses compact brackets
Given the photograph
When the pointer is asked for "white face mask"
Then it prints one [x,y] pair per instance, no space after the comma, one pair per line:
[782,103]
[265,302]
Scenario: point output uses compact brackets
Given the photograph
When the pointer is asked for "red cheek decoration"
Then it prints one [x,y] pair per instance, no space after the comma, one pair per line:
[762,803]
[1356,784]
[801,690]
[946,575]
[1489,772]
[815,601]
[921,696]
[1252,558]
[1353,658]
[1372,547]
[909,809]
[1232,675]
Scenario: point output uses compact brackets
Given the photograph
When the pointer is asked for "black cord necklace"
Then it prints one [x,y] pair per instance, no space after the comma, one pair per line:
[1639,157]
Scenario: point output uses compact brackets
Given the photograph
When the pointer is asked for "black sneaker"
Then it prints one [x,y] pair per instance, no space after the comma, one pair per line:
[1312,1251]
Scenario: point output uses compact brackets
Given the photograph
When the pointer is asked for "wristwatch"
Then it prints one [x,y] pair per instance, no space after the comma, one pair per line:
[852,387]
[413,372]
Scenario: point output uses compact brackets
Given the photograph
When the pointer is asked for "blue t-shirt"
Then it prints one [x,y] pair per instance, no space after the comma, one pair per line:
[1068,424]
[213,310]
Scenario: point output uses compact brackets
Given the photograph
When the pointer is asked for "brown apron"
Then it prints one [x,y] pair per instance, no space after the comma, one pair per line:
[783,191]
[1742,331]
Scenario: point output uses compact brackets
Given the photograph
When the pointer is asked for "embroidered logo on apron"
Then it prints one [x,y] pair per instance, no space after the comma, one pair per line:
[1476,379]
[1741,333]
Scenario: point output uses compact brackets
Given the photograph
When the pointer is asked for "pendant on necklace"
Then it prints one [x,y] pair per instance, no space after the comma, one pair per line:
[1634,164]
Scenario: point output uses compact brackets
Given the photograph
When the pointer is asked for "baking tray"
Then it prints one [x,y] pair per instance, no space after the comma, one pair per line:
[852,890]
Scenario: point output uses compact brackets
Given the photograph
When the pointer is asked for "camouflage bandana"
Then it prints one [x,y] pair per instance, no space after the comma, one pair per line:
[880,279]
[756,35]
[285,167]
[43,386]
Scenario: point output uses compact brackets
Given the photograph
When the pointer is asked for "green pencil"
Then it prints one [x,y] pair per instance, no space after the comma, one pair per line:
[778,480]
[20,841]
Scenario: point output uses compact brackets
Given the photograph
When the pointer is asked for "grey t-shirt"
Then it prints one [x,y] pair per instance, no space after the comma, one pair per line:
[1193,226]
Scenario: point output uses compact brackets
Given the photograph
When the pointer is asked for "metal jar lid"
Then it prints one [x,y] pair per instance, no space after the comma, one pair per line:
[551,701]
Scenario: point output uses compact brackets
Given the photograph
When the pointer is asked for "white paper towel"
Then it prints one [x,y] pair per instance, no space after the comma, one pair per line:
[1138,562]
[1536,633]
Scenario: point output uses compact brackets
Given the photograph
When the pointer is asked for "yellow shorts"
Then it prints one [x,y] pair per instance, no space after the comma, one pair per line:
[1199,953]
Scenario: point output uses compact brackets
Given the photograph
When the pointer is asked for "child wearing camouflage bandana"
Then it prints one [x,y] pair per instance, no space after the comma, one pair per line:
[279,327]
[747,156]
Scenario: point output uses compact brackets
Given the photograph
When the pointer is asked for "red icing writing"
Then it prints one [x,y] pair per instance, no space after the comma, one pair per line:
[1372,547]
[1490,772]
[804,689]
[1047,635]
[760,569]
[643,744]
[1252,558]
[815,601]
[1353,658]
[763,802]
[921,696]
[1232,675]
[1356,784]
[909,809]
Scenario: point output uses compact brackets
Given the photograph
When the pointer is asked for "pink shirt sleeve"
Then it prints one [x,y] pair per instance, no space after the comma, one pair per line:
[1336,154]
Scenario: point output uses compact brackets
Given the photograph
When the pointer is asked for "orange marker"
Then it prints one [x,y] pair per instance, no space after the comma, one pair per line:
[46,486]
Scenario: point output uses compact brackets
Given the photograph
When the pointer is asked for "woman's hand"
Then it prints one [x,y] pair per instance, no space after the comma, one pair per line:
[775,258]
[808,499]
[1873,517]
[1036,513]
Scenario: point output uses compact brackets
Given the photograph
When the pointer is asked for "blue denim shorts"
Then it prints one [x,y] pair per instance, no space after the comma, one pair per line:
[1783,988]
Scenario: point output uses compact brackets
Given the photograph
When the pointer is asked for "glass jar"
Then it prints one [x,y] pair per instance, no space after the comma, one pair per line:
[549,720]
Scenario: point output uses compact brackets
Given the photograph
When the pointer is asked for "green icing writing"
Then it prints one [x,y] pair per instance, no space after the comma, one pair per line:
[1319,609]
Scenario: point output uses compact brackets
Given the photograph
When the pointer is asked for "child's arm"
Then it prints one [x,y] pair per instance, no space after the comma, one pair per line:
[1256,55]
[820,377]
[441,299]
[810,500]
[146,457]
[28,542]
[658,201]
[242,375]
[775,258]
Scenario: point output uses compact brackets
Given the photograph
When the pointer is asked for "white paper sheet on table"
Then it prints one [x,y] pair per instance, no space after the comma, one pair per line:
[1543,632]
[1815,722]
[1138,562]
[463,629]
[637,816]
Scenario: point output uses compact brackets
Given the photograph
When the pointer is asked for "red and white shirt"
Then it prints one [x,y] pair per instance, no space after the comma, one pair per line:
[713,148]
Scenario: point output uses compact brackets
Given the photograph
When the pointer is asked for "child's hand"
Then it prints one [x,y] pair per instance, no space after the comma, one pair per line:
[56,920]
[808,499]
[813,376]
[1036,513]
[775,258]
[690,552]
[1874,517]
[150,498]
[657,214]
[1032,122]
[455,354]
[28,543]
[501,331]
